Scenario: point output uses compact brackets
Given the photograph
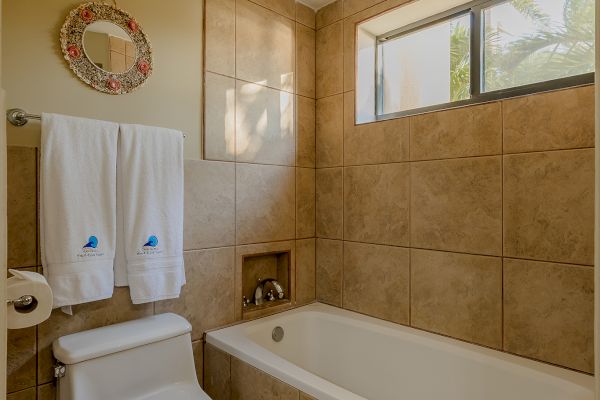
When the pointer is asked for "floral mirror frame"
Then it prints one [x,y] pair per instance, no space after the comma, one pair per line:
[71,40]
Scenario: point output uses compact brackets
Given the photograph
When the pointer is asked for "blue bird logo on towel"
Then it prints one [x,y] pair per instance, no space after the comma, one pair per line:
[151,243]
[91,244]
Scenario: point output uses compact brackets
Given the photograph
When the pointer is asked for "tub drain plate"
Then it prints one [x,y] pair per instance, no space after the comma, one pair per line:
[277,334]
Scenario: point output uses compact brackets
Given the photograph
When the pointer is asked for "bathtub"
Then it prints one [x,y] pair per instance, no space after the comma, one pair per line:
[334,354]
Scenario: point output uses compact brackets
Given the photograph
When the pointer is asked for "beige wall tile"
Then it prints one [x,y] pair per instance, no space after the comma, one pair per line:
[27,394]
[21,360]
[207,298]
[265,197]
[46,392]
[305,15]
[209,204]
[305,132]
[219,117]
[305,202]
[265,45]
[330,203]
[284,7]
[556,120]
[549,312]
[198,350]
[304,396]
[330,256]
[329,14]
[264,125]
[376,204]
[330,131]
[375,143]
[249,383]
[217,373]
[305,270]
[219,36]
[85,316]
[376,281]
[329,62]
[456,205]
[354,6]
[458,295]
[22,207]
[549,206]
[460,132]
[305,61]
[349,41]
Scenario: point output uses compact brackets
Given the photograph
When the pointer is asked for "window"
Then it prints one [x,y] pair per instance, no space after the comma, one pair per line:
[475,52]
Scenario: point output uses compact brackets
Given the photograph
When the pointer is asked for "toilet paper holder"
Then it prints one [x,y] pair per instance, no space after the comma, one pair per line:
[23,304]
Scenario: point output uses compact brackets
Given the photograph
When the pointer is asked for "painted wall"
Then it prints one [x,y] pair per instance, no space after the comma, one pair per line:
[261,202]
[38,79]
[476,223]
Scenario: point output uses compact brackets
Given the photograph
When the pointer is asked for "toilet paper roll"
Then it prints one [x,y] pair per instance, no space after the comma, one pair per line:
[25,283]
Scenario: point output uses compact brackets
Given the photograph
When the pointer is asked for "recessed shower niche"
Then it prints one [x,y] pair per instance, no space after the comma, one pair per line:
[266,283]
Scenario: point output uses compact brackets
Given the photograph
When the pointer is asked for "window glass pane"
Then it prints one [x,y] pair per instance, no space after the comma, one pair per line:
[530,41]
[426,67]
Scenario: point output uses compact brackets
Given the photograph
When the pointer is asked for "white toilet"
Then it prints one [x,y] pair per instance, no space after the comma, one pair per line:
[145,359]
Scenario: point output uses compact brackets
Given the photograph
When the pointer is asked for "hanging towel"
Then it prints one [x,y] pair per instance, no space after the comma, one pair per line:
[78,207]
[150,218]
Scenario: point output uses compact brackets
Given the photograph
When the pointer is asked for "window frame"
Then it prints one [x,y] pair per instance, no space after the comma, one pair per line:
[474,8]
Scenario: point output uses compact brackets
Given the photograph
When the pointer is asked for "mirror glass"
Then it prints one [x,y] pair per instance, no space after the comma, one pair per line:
[109,47]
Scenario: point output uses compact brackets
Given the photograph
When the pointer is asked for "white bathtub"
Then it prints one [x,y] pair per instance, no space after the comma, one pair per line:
[333,354]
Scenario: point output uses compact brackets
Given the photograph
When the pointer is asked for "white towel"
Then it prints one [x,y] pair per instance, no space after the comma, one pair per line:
[78,207]
[150,220]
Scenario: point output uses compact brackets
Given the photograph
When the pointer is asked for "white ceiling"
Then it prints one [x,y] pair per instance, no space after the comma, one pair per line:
[316,4]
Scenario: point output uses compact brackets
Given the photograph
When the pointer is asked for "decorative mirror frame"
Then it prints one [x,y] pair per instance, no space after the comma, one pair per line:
[71,40]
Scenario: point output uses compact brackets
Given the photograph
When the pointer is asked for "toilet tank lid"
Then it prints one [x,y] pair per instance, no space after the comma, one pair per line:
[111,339]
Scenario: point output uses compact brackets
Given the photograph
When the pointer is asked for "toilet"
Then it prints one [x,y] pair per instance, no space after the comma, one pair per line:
[145,359]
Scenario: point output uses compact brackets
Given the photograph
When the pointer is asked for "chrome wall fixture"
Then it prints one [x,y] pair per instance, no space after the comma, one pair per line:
[19,117]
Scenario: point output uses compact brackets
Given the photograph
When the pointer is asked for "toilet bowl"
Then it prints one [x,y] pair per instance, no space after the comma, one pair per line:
[145,359]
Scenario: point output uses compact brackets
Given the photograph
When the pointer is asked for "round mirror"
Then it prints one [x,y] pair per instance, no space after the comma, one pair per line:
[106,48]
[109,47]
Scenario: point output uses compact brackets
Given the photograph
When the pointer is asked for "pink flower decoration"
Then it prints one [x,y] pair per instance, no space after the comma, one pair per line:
[86,15]
[143,66]
[133,25]
[73,51]
[113,84]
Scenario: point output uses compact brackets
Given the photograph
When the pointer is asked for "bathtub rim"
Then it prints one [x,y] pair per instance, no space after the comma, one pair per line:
[233,340]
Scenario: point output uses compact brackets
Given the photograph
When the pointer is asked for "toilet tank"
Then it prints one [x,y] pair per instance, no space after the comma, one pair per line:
[149,358]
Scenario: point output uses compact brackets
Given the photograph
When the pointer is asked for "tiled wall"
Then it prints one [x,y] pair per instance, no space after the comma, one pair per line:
[262,196]
[476,223]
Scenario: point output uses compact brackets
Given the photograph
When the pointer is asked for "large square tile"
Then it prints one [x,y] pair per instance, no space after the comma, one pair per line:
[458,295]
[460,132]
[329,14]
[22,206]
[329,271]
[549,312]
[376,281]
[305,15]
[329,61]
[206,300]
[375,143]
[249,383]
[305,61]
[305,132]
[264,45]
[21,359]
[265,198]
[220,36]
[330,203]
[264,125]
[330,131]
[219,117]
[305,202]
[217,373]
[209,204]
[282,7]
[305,270]
[549,206]
[376,204]
[562,119]
[456,205]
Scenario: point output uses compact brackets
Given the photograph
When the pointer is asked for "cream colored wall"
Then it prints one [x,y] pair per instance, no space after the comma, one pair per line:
[37,78]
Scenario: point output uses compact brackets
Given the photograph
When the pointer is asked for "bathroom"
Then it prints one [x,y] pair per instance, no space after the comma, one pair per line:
[340,242]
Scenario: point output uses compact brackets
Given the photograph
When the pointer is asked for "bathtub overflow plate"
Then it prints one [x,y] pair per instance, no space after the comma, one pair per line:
[278,334]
